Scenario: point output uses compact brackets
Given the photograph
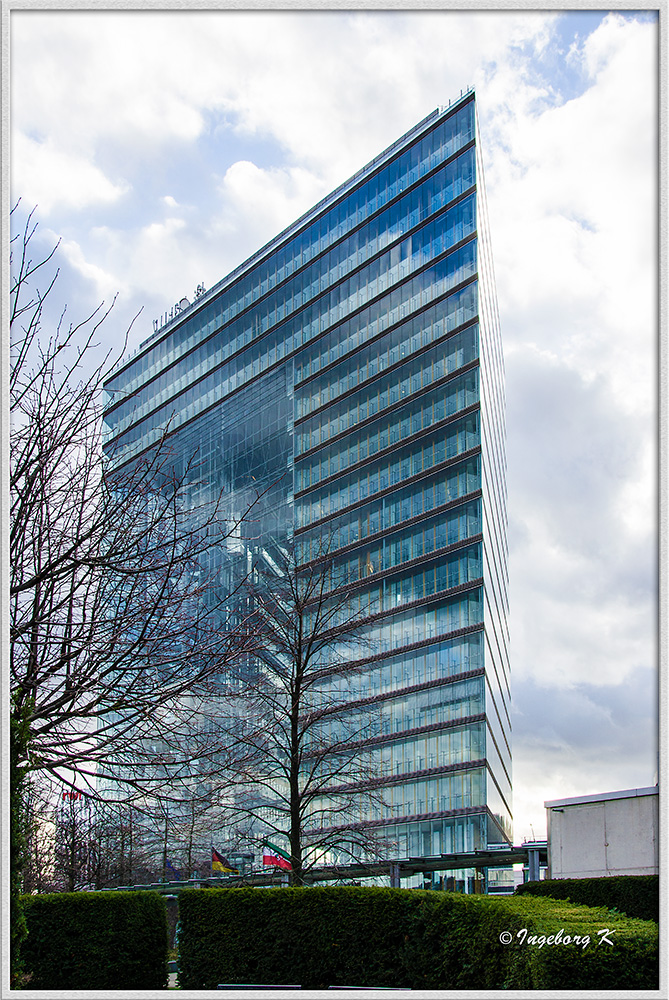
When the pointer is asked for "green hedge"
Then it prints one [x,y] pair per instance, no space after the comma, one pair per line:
[306,937]
[349,936]
[633,895]
[629,962]
[96,941]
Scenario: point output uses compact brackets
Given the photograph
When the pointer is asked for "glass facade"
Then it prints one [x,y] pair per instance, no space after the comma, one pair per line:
[353,369]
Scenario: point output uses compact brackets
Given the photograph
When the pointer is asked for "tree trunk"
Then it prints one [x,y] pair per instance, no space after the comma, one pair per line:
[295,877]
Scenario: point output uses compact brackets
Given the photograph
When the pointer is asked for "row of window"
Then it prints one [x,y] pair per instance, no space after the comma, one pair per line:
[348,295]
[459,568]
[397,715]
[408,339]
[414,625]
[444,748]
[308,285]
[348,337]
[426,838]
[411,295]
[387,511]
[403,546]
[444,836]
[455,438]
[413,667]
[448,791]
[410,378]
[439,794]
[394,266]
[385,184]
[441,749]
[371,239]
[417,415]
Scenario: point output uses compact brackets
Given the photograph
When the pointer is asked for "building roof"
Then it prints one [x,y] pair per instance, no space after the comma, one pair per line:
[628,793]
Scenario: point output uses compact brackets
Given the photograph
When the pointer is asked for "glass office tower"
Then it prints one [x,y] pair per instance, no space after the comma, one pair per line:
[353,369]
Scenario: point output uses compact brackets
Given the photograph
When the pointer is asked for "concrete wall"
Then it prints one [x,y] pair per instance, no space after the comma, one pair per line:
[611,834]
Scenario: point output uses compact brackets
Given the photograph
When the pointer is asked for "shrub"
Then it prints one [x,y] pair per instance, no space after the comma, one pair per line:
[628,962]
[310,937]
[321,937]
[633,895]
[96,941]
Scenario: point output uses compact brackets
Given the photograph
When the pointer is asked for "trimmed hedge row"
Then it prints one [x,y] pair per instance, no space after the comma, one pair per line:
[624,957]
[95,941]
[376,937]
[633,895]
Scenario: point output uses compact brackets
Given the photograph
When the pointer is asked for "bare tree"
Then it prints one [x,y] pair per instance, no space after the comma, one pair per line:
[194,830]
[302,777]
[73,837]
[76,841]
[115,646]
[119,849]
[38,830]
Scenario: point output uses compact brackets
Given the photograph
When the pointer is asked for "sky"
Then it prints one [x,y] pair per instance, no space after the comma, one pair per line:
[164,147]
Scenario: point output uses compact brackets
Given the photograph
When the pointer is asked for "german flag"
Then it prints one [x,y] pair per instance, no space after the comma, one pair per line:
[221,864]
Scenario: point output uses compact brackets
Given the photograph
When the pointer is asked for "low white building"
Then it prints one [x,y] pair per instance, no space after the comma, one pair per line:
[612,833]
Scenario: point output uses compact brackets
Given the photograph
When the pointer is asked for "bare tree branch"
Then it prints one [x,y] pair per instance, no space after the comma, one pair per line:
[117,641]
[299,775]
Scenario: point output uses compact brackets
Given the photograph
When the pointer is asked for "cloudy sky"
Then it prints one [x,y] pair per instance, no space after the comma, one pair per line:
[163,148]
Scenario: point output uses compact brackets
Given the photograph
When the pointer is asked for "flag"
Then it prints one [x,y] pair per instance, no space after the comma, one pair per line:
[273,855]
[221,864]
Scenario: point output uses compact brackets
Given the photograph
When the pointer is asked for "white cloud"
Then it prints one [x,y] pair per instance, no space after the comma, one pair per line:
[153,262]
[46,176]
[264,202]
[331,88]
[571,191]
[584,226]
[102,75]
[106,285]
[582,567]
